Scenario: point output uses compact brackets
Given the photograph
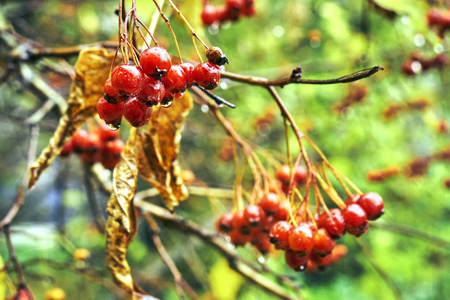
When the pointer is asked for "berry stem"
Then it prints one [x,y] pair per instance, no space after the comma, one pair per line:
[187,24]
[170,28]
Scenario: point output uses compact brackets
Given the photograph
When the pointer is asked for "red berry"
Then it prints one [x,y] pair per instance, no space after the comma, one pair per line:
[353,199]
[334,223]
[294,261]
[283,210]
[79,140]
[111,94]
[175,81]
[262,244]
[240,223]
[233,9]
[207,75]
[127,79]
[152,91]
[188,68]
[249,8]
[254,215]
[137,113]
[67,149]
[91,151]
[323,243]
[209,15]
[238,239]
[110,153]
[224,223]
[269,203]
[107,134]
[283,174]
[110,113]
[355,219]
[300,175]
[301,239]
[373,205]
[279,235]
[167,99]
[267,224]
[155,62]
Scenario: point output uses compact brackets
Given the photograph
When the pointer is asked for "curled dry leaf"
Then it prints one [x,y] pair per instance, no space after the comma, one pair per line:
[121,226]
[158,151]
[91,71]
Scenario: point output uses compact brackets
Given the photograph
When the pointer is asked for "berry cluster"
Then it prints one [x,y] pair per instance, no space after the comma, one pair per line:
[102,146]
[439,20]
[416,63]
[315,241]
[307,242]
[132,91]
[253,223]
[283,176]
[231,11]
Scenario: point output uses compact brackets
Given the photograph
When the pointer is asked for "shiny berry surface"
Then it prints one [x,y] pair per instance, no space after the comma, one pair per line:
[207,75]
[238,239]
[323,243]
[353,199]
[209,15]
[155,62]
[110,113]
[334,223]
[283,210]
[373,205]
[254,215]
[111,94]
[301,239]
[279,234]
[300,175]
[224,223]
[107,134]
[152,91]
[79,140]
[175,81]
[294,261]
[127,79]
[240,223]
[355,219]
[283,174]
[136,113]
[269,203]
[188,69]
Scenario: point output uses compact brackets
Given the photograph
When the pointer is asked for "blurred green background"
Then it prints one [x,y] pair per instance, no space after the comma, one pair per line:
[327,39]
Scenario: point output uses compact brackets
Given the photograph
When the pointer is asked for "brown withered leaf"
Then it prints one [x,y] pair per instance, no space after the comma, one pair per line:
[121,226]
[158,150]
[91,72]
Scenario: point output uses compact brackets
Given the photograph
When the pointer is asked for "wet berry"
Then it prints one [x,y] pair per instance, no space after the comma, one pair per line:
[334,223]
[188,69]
[136,113]
[127,79]
[283,210]
[240,223]
[224,223]
[238,239]
[294,261]
[279,234]
[110,153]
[207,75]
[110,113]
[152,91]
[175,81]
[155,62]
[79,140]
[323,243]
[283,174]
[300,175]
[209,15]
[373,205]
[107,134]
[355,219]
[269,203]
[254,215]
[111,94]
[301,239]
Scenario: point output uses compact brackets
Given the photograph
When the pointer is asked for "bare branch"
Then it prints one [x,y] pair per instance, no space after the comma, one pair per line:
[295,78]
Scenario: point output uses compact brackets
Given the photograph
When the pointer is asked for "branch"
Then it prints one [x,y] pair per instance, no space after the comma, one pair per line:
[213,239]
[296,78]
[180,283]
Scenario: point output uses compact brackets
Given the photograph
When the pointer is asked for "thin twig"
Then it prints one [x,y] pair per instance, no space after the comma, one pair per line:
[252,80]
[91,191]
[13,258]
[235,262]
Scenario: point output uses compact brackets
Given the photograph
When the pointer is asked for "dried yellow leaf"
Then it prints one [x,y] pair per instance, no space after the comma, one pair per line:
[91,72]
[121,226]
[158,150]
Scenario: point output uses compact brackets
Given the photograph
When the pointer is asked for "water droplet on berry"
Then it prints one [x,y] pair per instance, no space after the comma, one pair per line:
[113,127]
[167,103]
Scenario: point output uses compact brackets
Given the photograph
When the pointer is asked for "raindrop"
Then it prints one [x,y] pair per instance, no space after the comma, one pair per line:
[261,260]
[204,108]
[113,127]
[167,103]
